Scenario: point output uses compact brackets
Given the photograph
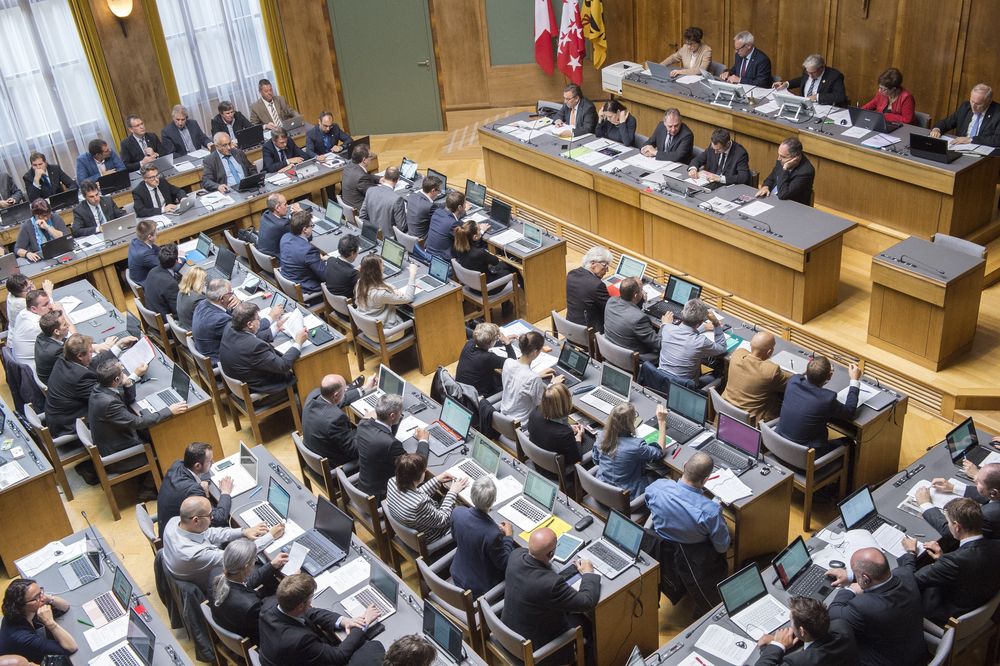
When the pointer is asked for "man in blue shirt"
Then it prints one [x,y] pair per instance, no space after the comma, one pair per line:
[300,261]
[100,159]
[694,532]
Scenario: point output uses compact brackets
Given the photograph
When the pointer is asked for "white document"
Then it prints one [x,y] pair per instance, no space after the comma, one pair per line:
[69,303]
[293,322]
[344,578]
[242,481]
[506,237]
[139,353]
[768,107]
[79,316]
[523,134]
[197,154]
[724,644]
[866,394]
[544,360]
[593,158]
[651,292]
[727,486]
[756,208]
[311,321]
[688,79]
[693,659]
[11,473]
[292,531]
[183,167]
[278,179]
[880,141]
[841,117]
[598,144]
[718,204]
[993,457]
[963,147]
[700,182]
[296,556]
[855,132]
[407,426]
[187,246]
[938,498]
[842,546]
[515,328]
[88,242]
[644,162]
[890,539]
[538,123]
[41,559]
[644,429]
[614,165]
[112,632]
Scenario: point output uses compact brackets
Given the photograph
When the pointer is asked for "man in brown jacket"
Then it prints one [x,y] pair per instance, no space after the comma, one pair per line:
[755,383]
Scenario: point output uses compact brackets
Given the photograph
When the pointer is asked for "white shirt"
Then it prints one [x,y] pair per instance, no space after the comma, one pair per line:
[969,540]
[155,196]
[14,306]
[22,337]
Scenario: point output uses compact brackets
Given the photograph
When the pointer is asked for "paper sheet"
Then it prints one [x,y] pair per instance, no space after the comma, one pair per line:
[69,303]
[242,481]
[841,546]
[768,107]
[197,154]
[293,322]
[278,179]
[700,182]
[187,246]
[554,523]
[724,644]
[693,659]
[506,237]
[688,79]
[880,141]
[80,315]
[841,117]
[597,144]
[866,394]
[993,457]
[718,204]
[11,473]
[183,167]
[515,328]
[643,162]
[139,353]
[100,637]
[543,361]
[855,132]
[40,560]
[725,485]
[938,498]
[407,426]
[592,158]
[296,556]
[342,579]
[890,539]
[756,208]
[537,123]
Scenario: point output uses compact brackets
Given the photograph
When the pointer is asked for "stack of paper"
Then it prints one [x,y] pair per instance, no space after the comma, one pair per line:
[970,148]
[688,79]
[938,498]
[515,328]
[343,578]
[768,107]
[11,473]
[854,132]
[716,204]
[724,644]
[40,560]
[725,485]
[80,315]
[880,141]
[183,167]
[643,162]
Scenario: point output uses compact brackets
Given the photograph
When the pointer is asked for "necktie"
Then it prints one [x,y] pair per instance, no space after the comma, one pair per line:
[812,86]
[273,112]
[45,181]
[281,154]
[231,168]
[99,216]
[722,163]
[977,120]
[186,138]
[157,199]
[572,117]
[142,143]
[743,67]
[666,142]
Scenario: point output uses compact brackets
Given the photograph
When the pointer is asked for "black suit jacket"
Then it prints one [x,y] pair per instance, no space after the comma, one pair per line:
[214,173]
[131,151]
[795,184]
[537,600]
[47,350]
[174,143]
[316,140]
[806,409]
[958,122]
[113,425]
[160,291]
[239,612]
[418,214]
[246,357]
[554,436]
[586,296]
[378,449]
[144,206]
[341,277]
[326,430]
[284,640]
[240,122]
[586,117]
[481,368]
[758,69]
[178,484]
[681,146]
[737,166]
[831,86]
[59,181]
[887,621]
[272,159]
[837,650]
[959,581]
[84,223]
[70,385]
[991,516]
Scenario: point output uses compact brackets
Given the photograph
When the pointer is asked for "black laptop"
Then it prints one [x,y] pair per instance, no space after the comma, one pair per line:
[16,214]
[369,237]
[929,148]
[858,512]
[57,247]
[444,183]
[251,137]
[872,120]
[328,541]
[225,260]
[963,444]
[250,183]
[798,575]
[360,141]
[572,364]
[500,214]
[675,297]
[117,181]
[66,199]
[8,267]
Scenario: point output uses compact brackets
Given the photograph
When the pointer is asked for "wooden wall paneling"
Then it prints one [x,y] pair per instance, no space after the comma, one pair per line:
[925,46]
[463,52]
[311,59]
[132,65]
[657,29]
[863,47]
[761,19]
[710,16]
[981,55]
[803,28]
[619,26]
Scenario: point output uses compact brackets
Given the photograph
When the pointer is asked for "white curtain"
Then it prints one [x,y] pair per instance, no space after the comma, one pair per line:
[48,100]
[218,51]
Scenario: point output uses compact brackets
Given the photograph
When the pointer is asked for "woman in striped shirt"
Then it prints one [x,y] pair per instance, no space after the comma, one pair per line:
[414,505]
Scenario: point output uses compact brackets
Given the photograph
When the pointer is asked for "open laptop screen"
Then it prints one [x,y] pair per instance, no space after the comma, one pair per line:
[630,267]
[792,560]
[484,453]
[278,497]
[500,212]
[615,380]
[439,269]
[180,381]
[333,523]
[456,417]
[248,461]
[573,360]
[393,252]
[962,438]
[121,588]
[440,176]
[744,437]
[383,581]
[542,491]
[224,261]
[681,291]
[475,193]
[742,589]
[622,532]
[857,507]
[443,632]
[689,404]
[334,212]
[140,637]
[532,234]
[390,382]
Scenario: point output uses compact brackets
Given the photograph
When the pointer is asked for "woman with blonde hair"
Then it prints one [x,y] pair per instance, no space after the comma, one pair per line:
[189,293]
[548,426]
[621,455]
[376,298]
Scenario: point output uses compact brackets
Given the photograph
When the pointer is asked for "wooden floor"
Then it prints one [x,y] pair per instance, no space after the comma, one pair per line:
[456,154]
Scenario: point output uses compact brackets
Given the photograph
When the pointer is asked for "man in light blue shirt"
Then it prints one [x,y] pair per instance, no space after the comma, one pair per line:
[695,533]
[683,348]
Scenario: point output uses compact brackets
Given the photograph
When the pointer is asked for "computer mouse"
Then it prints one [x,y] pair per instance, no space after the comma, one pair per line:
[837,564]
[764,471]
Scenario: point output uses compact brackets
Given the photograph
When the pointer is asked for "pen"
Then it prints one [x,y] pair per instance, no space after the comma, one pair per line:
[257,490]
[676,452]
[712,478]
[108,330]
[917,534]
[698,659]
[84,622]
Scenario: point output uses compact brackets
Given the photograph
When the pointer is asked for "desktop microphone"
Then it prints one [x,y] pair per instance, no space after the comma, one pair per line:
[760,225]
[287,478]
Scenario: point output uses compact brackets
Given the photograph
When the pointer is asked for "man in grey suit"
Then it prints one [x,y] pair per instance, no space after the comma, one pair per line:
[10,193]
[94,210]
[183,135]
[626,325]
[270,110]
[226,166]
[356,179]
[420,206]
[577,111]
[382,206]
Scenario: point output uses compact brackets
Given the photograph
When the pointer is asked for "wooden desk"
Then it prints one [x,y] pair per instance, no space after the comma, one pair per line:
[906,194]
[544,274]
[925,302]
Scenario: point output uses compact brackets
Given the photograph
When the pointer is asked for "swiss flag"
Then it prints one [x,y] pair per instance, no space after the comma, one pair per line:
[545,25]
[572,48]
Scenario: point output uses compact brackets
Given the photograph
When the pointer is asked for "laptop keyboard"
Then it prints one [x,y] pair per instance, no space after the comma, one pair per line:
[871,524]
[528,510]
[614,561]
[267,514]
[762,614]
[607,396]
[168,396]
[809,582]
[81,567]
[123,657]
[318,550]
[721,453]
[439,434]
[682,426]
[521,246]
[429,283]
[471,470]
[108,606]
[367,597]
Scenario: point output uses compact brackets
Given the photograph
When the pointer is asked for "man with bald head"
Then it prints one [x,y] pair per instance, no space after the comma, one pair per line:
[193,549]
[883,608]
[694,532]
[985,489]
[538,601]
[756,383]
[326,430]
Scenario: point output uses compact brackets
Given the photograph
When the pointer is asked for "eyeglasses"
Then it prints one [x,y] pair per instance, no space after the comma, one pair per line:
[154,176]
[37,597]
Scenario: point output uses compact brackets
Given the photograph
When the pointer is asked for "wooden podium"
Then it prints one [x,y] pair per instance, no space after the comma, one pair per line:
[925,301]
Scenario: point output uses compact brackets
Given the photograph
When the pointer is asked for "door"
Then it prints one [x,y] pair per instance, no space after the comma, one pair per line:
[386,59]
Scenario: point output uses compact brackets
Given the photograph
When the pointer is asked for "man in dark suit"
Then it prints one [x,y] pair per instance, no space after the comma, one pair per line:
[420,206]
[246,357]
[356,179]
[824,643]
[751,65]
[625,323]
[672,140]
[10,194]
[281,153]
[49,343]
[160,287]
[113,425]
[43,180]
[94,210]
[248,587]
[793,174]
[378,447]
[275,222]
[537,601]
[807,406]
[212,316]
[341,275]
[963,579]
[725,162]
[72,381]
[985,490]
[441,231]
[586,294]
[183,135]
[975,121]
[577,111]
[383,207]
[326,430]
[300,260]
[326,136]
[293,632]
[883,609]
[482,548]
[143,252]
[190,477]
[229,120]
[821,84]
[225,166]
[155,195]
[140,147]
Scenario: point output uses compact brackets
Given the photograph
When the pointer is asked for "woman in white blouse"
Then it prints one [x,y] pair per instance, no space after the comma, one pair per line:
[377,299]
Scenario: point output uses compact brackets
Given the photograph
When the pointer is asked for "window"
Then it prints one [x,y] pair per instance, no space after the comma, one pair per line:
[218,51]
[48,100]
